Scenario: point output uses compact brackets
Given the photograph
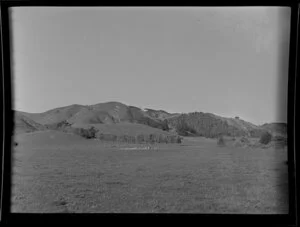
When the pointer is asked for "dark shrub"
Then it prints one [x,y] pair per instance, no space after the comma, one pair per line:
[58,126]
[86,133]
[173,139]
[89,133]
[152,138]
[132,139]
[156,138]
[165,125]
[114,138]
[147,138]
[161,138]
[93,131]
[63,124]
[140,138]
[168,139]
[265,138]
[121,138]
[193,131]
[125,138]
[244,140]
[221,141]
[179,139]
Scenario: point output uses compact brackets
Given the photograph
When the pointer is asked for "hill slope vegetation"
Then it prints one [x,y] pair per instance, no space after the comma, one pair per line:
[119,119]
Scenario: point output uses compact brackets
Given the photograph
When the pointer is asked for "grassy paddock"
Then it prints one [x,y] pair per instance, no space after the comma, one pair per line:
[59,172]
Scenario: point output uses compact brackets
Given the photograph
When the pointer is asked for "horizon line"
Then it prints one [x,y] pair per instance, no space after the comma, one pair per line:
[151,109]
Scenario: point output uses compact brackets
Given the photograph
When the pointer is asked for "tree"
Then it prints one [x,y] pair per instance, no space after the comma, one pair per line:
[153,138]
[161,138]
[265,138]
[179,139]
[114,138]
[87,133]
[93,131]
[165,125]
[133,139]
[221,141]
[173,139]
[140,138]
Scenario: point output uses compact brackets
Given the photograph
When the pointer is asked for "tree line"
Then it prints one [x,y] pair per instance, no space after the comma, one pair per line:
[93,133]
[140,138]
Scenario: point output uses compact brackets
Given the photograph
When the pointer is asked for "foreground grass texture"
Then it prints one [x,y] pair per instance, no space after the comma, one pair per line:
[58,172]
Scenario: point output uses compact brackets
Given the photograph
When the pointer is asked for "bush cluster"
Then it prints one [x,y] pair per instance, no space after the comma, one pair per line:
[141,138]
[58,126]
[265,138]
[86,133]
[221,141]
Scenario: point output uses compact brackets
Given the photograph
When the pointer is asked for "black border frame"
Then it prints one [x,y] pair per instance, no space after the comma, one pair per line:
[231,219]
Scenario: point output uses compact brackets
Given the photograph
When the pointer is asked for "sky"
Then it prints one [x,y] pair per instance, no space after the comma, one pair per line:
[230,61]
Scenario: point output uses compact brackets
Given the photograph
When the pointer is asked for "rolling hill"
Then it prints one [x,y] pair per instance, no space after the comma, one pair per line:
[55,115]
[210,125]
[102,113]
[118,118]
[276,128]
[24,124]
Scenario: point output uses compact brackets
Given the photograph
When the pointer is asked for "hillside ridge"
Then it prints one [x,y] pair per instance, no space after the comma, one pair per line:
[111,113]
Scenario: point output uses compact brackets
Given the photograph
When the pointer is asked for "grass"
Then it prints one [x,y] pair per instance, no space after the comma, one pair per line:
[58,172]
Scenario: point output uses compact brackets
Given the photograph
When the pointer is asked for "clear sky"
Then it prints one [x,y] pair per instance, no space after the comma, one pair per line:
[227,61]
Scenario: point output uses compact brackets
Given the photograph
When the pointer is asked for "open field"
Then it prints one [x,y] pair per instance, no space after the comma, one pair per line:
[60,172]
